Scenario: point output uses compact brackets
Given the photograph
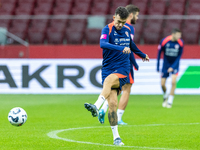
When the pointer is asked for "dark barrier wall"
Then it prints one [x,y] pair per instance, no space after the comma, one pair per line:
[80,51]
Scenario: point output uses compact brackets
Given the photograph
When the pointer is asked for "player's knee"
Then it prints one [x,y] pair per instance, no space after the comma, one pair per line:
[113,105]
[173,83]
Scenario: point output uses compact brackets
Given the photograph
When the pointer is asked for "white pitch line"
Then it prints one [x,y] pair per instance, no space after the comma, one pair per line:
[53,135]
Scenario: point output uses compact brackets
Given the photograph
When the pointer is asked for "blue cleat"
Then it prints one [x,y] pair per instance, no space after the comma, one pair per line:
[92,108]
[101,116]
[121,123]
[118,142]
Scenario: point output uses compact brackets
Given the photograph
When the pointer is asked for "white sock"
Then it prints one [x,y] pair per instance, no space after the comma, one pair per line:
[105,106]
[165,95]
[99,101]
[170,99]
[115,131]
[120,112]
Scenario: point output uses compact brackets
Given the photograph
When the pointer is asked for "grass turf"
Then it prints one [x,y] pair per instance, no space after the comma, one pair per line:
[149,125]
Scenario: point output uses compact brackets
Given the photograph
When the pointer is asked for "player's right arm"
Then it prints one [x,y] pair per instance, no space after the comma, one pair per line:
[104,41]
[160,49]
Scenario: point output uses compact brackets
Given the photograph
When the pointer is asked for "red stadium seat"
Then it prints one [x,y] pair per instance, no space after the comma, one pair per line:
[170,24]
[92,36]
[74,37]
[20,24]
[100,8]
[63,1]
[36,36]
[62,9]
[43,9]
[21,33]
[190,37]
[116,4]
[54,36]
[45,1]
[138,30]
[154,25]
[172,9]
[39,24]
[77,24]
[193,8]
[59,24]
[151,37]
[81,9]
[157,7]
[141,4]
[5,23]
[7,8]
[24,9]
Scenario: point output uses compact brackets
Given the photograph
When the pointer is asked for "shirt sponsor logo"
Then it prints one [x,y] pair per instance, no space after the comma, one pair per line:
[103,36]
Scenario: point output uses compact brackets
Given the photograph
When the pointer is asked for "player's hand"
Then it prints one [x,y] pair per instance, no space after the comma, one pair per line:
[146,58]
[170,69]
[126,50]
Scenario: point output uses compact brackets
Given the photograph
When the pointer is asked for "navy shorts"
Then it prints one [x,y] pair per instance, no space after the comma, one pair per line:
[122,74]
[131,76]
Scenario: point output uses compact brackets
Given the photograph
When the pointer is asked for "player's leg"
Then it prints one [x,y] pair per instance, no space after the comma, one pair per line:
[164,89]
[171,96]
[111,81]
[123,102]
[102,112]
[112,117]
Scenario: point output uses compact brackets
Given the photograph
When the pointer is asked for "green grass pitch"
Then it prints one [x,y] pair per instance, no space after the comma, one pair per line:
[149,125]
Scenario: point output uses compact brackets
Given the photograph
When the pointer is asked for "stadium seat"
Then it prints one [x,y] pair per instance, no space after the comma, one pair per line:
[157,7]
[60,24]
[74,37]
[172,9]
[43,9]
[116,4]
[154,25]
[100,8]
[36,36]
[21,33]
[62,9]
[39,24]
[141,4]
[151,37]
[193,8]
[5,23]
[81,9]
[7,8]
[24,9]
[64,1]
[77,24]
[92,36]
[190,37]
[169,25]
[138,30]
[54,36]
[20,24]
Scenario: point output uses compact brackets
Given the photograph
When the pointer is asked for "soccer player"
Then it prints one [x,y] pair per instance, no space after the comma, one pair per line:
[132,18]
[172,47]
[116,43]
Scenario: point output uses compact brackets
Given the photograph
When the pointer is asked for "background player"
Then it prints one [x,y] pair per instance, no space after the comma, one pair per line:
[116,44]
[172,46]
[132,18]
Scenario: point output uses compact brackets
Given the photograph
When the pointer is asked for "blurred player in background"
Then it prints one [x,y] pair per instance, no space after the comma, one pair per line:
[172,46]
[116,43]
[132,18]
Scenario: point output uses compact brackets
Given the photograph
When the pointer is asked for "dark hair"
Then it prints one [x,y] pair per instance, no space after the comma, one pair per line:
[132,8]
[122,12]
[176,30]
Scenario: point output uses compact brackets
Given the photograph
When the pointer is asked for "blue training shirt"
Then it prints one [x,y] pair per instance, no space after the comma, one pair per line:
[113,42]
[172,53]
[132,58]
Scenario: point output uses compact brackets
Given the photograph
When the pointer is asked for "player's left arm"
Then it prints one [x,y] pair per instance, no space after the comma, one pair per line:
[138,52]
[133,61]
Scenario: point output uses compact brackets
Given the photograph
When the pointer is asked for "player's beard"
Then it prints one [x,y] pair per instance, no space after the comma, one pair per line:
[133,21]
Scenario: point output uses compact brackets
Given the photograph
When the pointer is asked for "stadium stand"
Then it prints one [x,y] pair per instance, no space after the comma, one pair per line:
[147,31]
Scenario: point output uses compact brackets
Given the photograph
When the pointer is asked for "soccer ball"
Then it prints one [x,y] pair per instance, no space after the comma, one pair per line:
[17,116]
